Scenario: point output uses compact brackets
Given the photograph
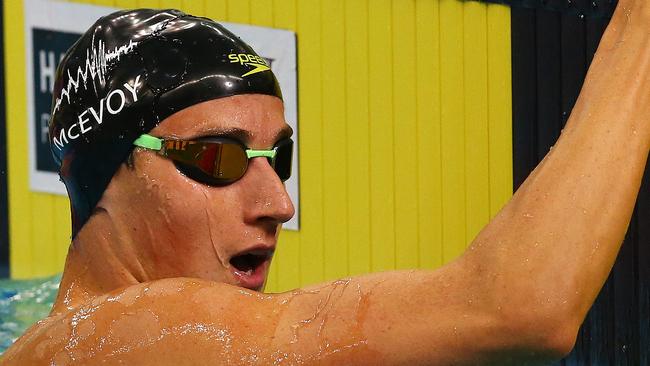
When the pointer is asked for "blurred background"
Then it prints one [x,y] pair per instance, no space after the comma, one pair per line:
[417,121]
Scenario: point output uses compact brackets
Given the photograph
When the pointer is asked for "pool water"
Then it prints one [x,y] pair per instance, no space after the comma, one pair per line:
[22,303]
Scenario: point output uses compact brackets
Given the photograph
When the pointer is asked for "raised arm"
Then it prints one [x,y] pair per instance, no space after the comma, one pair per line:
[550,249]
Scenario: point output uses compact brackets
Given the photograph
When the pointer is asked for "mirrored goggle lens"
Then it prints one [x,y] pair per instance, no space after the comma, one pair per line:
[214,163]
[222,162]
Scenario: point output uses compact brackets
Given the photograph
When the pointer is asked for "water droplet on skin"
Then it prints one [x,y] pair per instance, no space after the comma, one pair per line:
[294,330]
[61,358]
[527,215]
[86,329]
[594,249]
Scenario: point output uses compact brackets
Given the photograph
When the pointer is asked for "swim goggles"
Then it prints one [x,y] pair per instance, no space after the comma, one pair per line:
[217,161]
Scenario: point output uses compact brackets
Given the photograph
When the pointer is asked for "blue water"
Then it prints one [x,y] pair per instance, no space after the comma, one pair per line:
[22,303]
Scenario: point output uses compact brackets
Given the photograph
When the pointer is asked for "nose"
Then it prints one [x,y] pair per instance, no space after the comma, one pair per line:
[267,197]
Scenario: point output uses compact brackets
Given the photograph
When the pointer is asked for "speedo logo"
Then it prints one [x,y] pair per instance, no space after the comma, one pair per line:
[255,61]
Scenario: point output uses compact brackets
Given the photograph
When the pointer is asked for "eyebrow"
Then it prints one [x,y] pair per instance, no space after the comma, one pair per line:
[284,133]
[242,135]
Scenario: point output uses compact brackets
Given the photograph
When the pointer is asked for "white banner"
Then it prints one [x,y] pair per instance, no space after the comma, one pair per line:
[51,27]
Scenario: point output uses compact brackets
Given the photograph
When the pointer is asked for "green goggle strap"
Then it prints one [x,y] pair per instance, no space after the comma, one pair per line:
[149,142]
[154,143]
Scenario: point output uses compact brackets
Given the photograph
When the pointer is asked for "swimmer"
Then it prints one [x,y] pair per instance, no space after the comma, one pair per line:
[174,158]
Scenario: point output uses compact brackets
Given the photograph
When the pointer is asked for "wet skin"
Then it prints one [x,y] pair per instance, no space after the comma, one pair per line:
[516,297]
[171,226]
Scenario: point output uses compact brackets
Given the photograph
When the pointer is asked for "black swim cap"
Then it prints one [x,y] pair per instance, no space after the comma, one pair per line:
[129,71]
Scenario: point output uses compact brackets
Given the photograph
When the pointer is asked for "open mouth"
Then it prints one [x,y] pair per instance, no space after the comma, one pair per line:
[247,263]
[250,268]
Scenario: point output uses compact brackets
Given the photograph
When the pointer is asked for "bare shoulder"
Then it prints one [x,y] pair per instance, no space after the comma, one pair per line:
[190,321]
[147,323]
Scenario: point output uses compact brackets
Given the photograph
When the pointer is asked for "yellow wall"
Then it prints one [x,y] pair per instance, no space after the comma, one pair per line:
[405,134]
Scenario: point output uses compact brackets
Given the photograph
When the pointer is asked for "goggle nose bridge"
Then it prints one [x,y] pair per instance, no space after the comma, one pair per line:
[269,154]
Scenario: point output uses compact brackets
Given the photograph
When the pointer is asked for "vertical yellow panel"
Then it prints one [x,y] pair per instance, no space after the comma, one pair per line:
[287,261]
[171,4]
[125,4]
[285,9]
[382,192]
[43,247]
[358,152]
[145,4]
[239,11]
[261,13]
[427,23]
[452,128]
[62,229]
[194,7]
[405,149]
[288,266]
[476,122]
[334,141]
[217,9]
[500,106]
[20,237]
[311,147]
[110,3]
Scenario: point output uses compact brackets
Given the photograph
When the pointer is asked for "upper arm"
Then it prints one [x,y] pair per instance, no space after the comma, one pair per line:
[416,317]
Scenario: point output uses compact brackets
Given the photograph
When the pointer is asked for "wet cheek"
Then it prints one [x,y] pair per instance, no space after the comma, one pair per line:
[220,226]
[173,210]
[229,229]
[204,219]
[198,221]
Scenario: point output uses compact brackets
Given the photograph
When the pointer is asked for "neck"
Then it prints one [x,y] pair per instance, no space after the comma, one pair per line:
[100,260]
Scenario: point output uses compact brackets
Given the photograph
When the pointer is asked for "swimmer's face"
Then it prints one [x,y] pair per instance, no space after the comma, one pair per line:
[187,229]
